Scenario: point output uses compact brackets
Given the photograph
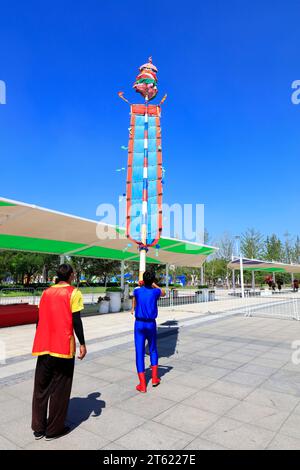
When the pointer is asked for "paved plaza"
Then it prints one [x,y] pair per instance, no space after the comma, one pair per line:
[228,382]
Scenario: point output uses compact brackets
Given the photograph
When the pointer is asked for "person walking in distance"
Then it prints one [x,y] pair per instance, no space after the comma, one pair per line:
[144,306]
[55,348]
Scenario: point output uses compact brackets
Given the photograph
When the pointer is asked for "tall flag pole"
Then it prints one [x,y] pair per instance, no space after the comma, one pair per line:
[144,170]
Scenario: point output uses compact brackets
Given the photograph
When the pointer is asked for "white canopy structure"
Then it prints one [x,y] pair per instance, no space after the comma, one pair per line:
[261,265]
[30,228]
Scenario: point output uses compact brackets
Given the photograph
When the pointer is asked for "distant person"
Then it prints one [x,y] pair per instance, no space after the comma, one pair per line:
[144,305]
[54,344]
[271,283]
[279,284]
[295,285]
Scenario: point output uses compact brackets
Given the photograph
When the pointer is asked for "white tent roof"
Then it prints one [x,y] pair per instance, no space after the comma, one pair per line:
[261,265]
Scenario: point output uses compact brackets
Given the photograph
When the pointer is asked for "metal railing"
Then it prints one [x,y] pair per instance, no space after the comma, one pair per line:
[20,295]
[284,306]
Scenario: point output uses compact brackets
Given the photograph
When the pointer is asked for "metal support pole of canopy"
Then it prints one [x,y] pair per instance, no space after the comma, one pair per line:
[122,274]
[167,278]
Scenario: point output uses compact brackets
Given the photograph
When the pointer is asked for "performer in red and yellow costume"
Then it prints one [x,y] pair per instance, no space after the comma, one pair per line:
[54,344]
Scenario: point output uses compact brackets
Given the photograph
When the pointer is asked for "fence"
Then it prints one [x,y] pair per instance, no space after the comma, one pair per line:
[26,295]
[284,306]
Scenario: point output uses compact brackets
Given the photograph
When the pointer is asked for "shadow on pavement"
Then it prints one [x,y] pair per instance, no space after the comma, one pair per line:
[81,409]
[167,337]
[162,370]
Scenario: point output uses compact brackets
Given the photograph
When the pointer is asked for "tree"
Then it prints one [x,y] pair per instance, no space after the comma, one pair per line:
[28,265]
[5,264]
[51,263]
[226,247]
[215,269]
[80,266]
[296,250]
[252,244]
[103,268]
[288,248]
[273,248]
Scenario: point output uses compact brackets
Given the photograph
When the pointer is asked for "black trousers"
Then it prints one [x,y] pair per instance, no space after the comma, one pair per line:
[52,386]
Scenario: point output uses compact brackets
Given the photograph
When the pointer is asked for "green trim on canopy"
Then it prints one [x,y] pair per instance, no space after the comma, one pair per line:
[110,253]
[190,249]
[271,270]
[177,246]
[15,242]
[3,203]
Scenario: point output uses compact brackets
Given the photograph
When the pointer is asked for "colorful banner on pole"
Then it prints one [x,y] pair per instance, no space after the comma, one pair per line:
[144,174]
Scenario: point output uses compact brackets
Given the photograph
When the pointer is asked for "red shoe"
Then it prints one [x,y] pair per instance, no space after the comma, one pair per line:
[155,379]
[142,387]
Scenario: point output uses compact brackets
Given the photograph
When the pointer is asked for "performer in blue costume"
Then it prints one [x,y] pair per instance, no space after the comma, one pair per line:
[145,307]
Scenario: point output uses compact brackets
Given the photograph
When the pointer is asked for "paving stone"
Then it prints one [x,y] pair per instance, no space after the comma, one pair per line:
[89,367]
[194,380]
[192,420]
[225,364]
[273,399]
[291,427]
[245,379]
[274,363]
[87,384]
[145,405]
[212,371]
[113,375]
[202,444]
[282,386]
[209,401]
[18,430]
[113,446]
[77,439]
[282,442]
[257,369]
[235,435]
[13,409]
[167,390]
[237,357]
[155,436]
[115,393]
[109,361]
[265,416]
[4,395]
[22,391]
[231,389]
[113,423]
[5,444]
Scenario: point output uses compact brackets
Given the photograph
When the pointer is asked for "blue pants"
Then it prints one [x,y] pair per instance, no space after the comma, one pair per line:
[145,331]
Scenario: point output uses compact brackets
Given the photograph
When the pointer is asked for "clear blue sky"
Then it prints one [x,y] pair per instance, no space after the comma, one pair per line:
[231,136]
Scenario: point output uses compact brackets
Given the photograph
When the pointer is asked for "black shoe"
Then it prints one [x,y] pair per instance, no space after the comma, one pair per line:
[65,431]
[38,435]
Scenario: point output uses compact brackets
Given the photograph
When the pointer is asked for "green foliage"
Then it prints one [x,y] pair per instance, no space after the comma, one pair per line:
[273,248]
[114,289]
[252,244]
